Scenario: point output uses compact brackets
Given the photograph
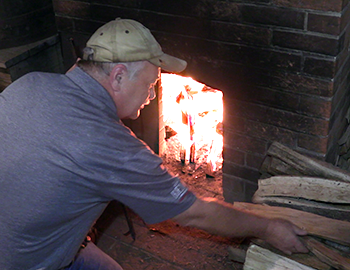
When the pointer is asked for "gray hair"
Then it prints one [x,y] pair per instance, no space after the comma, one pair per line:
[106,67]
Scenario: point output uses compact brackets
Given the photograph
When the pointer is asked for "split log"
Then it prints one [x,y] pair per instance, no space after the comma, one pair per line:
[326,254]
[237,254]
[261,258]
[334,211]
[310,188]
[308,259]
[327,228]
[280,160]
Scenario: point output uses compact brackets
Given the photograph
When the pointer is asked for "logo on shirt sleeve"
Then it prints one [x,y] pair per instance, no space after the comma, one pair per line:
[178,191]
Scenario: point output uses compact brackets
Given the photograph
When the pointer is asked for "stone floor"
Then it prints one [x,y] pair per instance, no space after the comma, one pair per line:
[164,246]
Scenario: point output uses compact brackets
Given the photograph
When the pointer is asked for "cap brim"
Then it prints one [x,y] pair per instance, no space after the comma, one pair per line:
[169,63]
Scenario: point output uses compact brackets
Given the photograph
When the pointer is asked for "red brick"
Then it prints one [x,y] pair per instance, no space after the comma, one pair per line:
[250,189]
[86,26]
[273,16]
[230,154]
[193,8]
[12,9]
[313,143]
[299,83]
[259,57]
[64,23]
[234,123]
[324,24]
[308,42]
[277,99]
[244,143]
[283,119]
[105,14]
[320,66]
[271,133]
[72,8]
[241,171]
[254,161]
[324,5]
[233,188]
[239,33]
[315,106]
[226,11]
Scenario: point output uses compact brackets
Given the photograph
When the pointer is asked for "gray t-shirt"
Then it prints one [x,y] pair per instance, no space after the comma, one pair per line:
[64,155]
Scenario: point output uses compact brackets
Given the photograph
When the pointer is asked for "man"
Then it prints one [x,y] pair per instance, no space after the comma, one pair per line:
[65,155]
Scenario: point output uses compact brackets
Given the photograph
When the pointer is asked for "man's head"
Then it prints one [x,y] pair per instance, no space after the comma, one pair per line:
[124,40]
[126,59]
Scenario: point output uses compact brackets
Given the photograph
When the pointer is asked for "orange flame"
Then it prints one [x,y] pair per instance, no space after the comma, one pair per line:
[202,108]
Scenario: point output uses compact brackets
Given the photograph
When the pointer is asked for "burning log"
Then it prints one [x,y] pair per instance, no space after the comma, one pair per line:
[188,119]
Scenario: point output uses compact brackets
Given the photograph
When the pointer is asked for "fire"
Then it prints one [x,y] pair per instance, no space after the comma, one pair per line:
[195,112]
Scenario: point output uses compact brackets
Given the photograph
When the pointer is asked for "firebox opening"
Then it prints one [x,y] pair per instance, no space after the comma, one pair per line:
[192,116]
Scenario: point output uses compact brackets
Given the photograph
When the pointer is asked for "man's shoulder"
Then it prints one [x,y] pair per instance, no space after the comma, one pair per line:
[39,76]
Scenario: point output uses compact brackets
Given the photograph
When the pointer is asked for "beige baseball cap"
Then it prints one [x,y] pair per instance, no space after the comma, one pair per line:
[125,40]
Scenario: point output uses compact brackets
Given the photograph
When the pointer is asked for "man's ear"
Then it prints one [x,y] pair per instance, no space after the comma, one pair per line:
[116,76]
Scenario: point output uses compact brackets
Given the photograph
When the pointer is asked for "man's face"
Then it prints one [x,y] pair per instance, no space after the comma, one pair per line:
[139,91]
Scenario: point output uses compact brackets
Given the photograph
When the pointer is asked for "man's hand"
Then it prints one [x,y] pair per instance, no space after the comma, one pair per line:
[224,219]
[283,235]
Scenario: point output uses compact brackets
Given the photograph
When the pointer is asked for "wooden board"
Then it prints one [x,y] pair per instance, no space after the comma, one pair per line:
[259,258]
[311,188]
[334,211]
[281,160]
[331,229]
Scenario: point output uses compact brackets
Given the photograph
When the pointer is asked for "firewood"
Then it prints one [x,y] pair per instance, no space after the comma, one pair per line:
[326,254]
[261,258]
[311,188]
[308,259]
[326,228]
[281,160]
[236,254]
[334,211]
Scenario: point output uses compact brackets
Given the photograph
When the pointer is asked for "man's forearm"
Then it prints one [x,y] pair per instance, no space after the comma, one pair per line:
[224,219]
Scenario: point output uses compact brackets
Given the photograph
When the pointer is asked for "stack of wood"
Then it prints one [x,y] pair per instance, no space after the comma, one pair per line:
[343,160]
[312,194]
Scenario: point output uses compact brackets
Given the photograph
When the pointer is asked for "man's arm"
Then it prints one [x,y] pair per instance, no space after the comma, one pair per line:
[224,219]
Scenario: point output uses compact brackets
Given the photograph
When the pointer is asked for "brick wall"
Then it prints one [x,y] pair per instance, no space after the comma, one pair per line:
[283,66]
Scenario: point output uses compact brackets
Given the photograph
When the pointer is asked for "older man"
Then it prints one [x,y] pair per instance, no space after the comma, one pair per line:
[65,155]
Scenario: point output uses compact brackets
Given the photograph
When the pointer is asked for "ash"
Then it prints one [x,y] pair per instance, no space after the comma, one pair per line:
[193,174]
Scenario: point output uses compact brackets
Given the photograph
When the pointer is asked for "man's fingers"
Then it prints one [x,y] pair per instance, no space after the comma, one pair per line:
[300,247]
[299,231]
